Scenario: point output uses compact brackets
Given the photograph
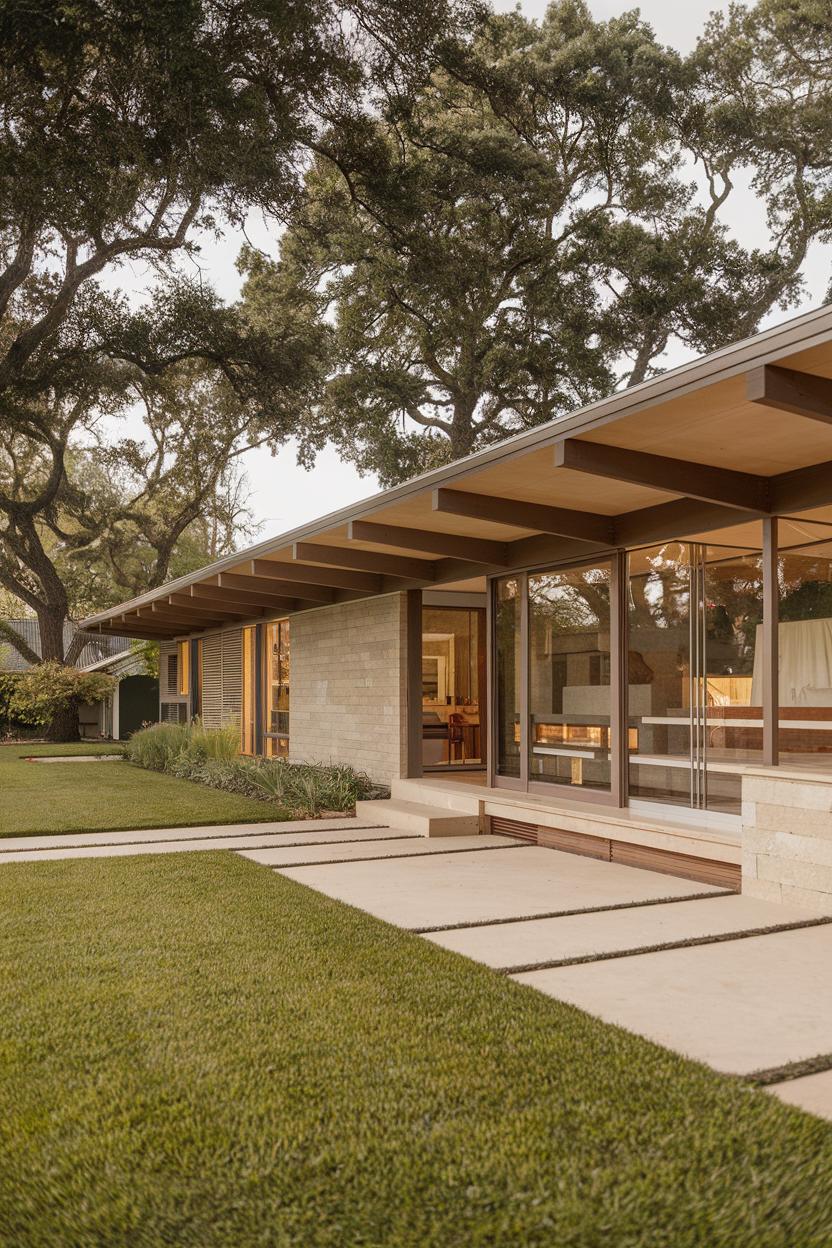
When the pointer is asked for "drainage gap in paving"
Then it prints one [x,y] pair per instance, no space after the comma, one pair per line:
[791,1070]
[437,853]
[690,942]
[563,914]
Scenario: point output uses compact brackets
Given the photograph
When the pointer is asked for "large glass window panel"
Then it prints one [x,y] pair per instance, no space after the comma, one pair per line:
[694,706]
[805,650]
[659,673]
[277,689]
[508,676]
[247,717]
[569,677]
[732,735]
[452,676]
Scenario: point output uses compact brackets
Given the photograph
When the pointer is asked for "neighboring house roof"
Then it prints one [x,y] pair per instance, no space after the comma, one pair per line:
[738,434]
[125,663]
[96,649]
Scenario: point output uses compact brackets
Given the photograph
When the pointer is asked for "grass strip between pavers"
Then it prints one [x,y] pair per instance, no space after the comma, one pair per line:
[199,1052]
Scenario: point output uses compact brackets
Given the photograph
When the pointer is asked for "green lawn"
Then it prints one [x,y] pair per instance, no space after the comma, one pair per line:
[195,1051]
[103,797]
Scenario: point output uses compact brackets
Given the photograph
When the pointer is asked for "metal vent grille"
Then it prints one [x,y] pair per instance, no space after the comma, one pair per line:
[514,827]
[174,712]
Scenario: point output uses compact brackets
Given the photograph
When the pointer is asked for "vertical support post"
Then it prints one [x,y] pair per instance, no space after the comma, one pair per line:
[525,677]
[771,648]
[488,695]
[413,683]
[619,736]
[259,683]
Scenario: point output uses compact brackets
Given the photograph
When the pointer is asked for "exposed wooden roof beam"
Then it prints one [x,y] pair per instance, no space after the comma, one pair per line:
[741,490]
[477,550]
[561,521]
[667,521]
[335,578]
[802,488]
[787,390]
[207,594]
[184,604]
[367,560]
[285,586]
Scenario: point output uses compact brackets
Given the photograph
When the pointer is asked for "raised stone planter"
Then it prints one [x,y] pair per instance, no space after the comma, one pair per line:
[787,837]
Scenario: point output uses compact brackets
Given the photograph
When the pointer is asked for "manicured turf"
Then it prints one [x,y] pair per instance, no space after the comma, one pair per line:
[196,1051]
[40,798]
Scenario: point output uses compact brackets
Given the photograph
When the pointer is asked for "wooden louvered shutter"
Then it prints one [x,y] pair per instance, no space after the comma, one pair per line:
[232,676]
[212,681]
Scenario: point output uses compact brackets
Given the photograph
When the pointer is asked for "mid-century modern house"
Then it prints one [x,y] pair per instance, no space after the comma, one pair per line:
[611,634]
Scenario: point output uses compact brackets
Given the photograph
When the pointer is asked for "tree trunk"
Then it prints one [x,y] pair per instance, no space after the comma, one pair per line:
[64,725]
[51,627]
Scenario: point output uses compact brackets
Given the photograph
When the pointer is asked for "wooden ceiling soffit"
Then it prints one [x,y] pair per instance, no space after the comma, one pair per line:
[803,394]
[156,627]
[333,578]
[167,614]
[366,560]
[189,606]
[741,490]
[474,549]
[208,594]
[285,586]
[540,517]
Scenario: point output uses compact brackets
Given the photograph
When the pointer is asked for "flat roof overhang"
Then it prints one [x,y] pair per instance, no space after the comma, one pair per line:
[740,434]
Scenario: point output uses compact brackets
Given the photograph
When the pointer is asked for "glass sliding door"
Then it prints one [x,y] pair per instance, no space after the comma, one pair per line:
[570,707]
[694,715]
[508,673]
[453,681]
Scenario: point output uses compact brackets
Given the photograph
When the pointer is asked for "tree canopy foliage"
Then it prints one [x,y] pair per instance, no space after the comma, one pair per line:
[130,132]
[538,223]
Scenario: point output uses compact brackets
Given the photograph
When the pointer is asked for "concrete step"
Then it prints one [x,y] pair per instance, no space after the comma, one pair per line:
[440,795]
[416,818]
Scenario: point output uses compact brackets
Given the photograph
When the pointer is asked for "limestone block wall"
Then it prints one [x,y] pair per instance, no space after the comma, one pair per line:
[787,838]
[348,686]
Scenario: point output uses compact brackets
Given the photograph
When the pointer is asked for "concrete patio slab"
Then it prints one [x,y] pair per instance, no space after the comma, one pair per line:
[614,931]
[459,888]
[323,839]
[812,1093]
[403,846]
[740,1006]
[198,831]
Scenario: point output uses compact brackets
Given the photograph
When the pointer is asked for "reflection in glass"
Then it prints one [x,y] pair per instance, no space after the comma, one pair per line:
[507,673]
[694,706]
[569,677]
[805,645]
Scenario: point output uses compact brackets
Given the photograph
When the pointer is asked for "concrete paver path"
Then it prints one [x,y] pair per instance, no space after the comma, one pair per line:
[462,888]
[613,932]
[670,959]
[740,1006]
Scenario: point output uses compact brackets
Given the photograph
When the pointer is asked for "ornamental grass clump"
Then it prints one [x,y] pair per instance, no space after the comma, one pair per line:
[211,756]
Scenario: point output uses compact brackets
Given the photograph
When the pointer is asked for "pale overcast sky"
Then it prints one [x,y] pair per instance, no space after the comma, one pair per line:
[282,495]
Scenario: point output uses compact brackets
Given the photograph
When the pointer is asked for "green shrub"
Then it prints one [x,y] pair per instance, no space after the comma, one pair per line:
[48,696]
[157,747]
[211,756]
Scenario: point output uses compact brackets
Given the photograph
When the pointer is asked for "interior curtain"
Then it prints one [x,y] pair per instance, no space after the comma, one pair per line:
[805,663]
